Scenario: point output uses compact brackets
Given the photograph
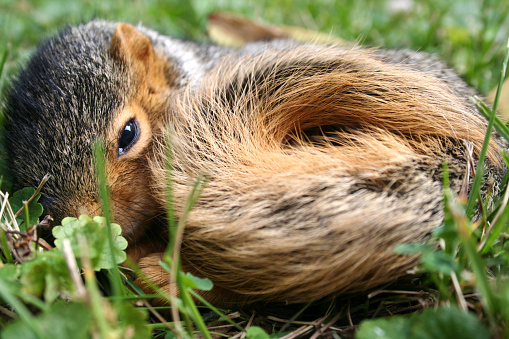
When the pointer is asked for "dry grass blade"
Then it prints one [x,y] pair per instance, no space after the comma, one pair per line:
[158,316]
[37,191]
[7,215]
[8,313]
[326,326]
[72,265]
[299,332]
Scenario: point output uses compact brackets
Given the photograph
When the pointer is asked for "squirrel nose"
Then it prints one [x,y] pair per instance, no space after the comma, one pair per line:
[90,209]
[82,210]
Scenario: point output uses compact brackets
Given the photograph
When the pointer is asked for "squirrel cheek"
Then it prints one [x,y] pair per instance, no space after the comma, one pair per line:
[127,171]
[133,206]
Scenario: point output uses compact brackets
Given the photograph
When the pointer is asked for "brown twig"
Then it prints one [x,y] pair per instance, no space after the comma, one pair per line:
[326,326]
[37,191]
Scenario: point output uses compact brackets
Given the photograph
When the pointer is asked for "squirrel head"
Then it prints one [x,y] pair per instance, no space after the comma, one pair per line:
[95,81]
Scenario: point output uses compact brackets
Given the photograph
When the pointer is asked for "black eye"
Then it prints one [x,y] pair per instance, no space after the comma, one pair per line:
[128,136]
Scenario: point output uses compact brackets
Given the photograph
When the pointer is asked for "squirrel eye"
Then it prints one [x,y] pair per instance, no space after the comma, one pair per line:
[128,136]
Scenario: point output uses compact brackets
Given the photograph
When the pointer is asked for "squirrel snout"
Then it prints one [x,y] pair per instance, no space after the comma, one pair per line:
[91,209]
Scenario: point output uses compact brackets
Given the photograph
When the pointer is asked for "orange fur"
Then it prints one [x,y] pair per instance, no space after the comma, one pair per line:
[320,160]
[153,80]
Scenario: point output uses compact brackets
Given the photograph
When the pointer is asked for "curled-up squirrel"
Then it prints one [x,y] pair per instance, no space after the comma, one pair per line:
[319,159]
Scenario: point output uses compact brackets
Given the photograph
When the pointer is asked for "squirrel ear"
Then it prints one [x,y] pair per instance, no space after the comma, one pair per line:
[130,45]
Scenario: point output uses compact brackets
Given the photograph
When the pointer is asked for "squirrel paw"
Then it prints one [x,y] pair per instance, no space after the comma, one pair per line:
[154,274]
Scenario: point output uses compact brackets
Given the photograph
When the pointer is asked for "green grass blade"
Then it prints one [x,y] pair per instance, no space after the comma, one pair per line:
[191,306]
[187,301]
[3,59]
[27,216]
[99,155]
[170,209]
[501,128]
[478,266]
[501,224]
[475,260]
[5,247]
[502,77]
[215,310]
[94,295]
[480,163]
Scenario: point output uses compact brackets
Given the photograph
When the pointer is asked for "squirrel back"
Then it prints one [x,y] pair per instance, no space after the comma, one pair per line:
[319,159]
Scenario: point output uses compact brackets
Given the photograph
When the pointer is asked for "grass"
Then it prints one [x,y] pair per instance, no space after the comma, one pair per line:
[470,35]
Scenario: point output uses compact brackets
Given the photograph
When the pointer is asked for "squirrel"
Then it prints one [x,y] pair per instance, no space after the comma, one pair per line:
[319,159]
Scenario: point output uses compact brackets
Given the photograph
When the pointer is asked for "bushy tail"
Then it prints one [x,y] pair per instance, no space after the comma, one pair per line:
[320,160]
